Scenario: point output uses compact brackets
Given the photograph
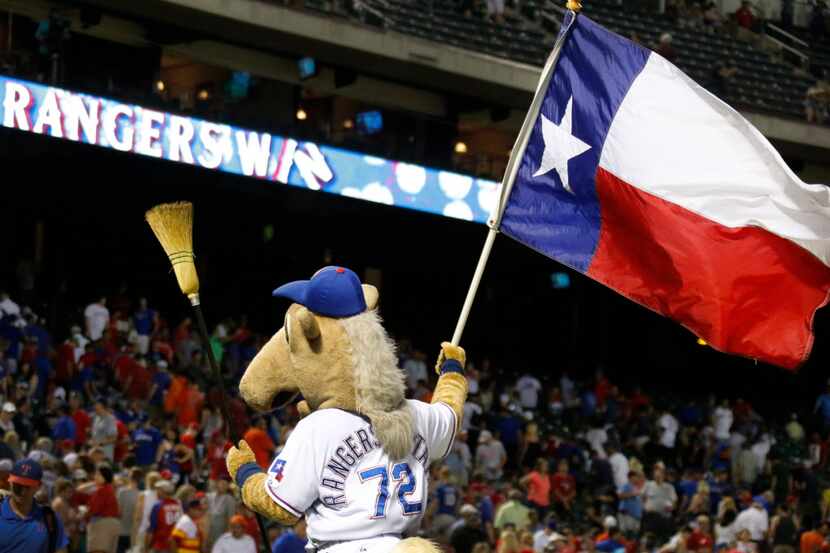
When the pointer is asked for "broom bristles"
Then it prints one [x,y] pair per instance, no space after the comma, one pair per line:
[173,226]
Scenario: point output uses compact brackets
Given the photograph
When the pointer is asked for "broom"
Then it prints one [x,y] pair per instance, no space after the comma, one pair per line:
[173,226]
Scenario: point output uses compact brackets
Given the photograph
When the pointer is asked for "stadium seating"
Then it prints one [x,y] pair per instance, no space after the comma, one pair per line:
[762,84]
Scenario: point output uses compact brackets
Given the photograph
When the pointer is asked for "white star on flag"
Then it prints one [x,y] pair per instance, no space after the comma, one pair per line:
[560,146]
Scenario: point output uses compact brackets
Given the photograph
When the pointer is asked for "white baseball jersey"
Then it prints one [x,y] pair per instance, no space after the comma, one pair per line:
[334,471]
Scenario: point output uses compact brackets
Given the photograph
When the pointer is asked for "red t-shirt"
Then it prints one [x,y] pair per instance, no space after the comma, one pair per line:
[216,458]
[103,503]
[124,368]
[79,499]
[562,485]
[82,424]
[122,441]
[262,445]
[744,17]
[699,540]
[65,366]
[190,407]
[140,383]
[88,359]
[163,518]
[538,489]
[165,350]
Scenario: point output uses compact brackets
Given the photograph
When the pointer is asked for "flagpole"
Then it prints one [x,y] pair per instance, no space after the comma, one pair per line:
[574,7]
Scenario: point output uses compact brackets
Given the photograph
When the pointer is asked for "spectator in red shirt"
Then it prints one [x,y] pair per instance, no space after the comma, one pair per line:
[163,518]
[122,441]
[65,366]
[564,489]
[137,385]
[162,349]
[744,16]
[103,524]
[81,418]
[701,539]
[260,442]
[538,484]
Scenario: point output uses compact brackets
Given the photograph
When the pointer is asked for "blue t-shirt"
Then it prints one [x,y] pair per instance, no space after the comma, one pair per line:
[447,497]
[509,429]
[289,542]
[44,341]
[146,442]
[632,506]
[686,488]
[610,546]
[28,534]
[143,321]
[485,507]
[44,370]
[823,406]
[690,415]
[86,375]
[162,381]
[64,429]
[589,404]
[13,336]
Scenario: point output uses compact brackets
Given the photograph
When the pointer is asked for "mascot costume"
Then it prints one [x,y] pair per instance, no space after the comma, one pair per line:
[356,465]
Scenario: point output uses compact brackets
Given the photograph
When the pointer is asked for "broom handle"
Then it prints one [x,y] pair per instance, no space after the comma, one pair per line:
[223,400]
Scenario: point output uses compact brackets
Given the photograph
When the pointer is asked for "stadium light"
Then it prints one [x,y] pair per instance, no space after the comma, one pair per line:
[460,148]
[301,114]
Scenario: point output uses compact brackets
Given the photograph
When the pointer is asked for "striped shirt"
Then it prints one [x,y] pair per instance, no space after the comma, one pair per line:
[186,536]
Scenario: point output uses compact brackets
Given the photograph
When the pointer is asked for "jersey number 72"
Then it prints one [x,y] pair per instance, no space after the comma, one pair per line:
[402,474]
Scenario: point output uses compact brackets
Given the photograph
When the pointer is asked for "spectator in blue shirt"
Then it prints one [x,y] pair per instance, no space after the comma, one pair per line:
[145,321]
[65,428]
[613,544]
[822,407]
[161,381]
[146,440]
[292,541]
[26,526]
[631,505]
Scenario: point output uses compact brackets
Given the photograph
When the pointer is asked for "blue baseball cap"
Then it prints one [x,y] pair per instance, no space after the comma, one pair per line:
[26,472]
[331,292]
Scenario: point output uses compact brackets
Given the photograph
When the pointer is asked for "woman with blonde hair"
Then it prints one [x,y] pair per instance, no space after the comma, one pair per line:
[700,504]
[508,542]
[143,506]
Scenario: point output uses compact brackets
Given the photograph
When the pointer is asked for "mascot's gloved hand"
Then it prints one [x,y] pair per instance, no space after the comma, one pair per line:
[240,457]
[451,359]
[250,478]
[452,385]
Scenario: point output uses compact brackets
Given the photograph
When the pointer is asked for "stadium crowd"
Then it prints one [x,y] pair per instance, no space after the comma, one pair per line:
[111,436]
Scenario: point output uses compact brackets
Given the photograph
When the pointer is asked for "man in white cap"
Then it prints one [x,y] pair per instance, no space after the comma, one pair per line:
[6,416]
[490,455]
[467,532]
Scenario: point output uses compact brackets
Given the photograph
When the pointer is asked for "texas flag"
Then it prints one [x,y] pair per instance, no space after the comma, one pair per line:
[639,178]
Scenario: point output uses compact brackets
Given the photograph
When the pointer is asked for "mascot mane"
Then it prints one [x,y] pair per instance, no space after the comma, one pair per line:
[379,384]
